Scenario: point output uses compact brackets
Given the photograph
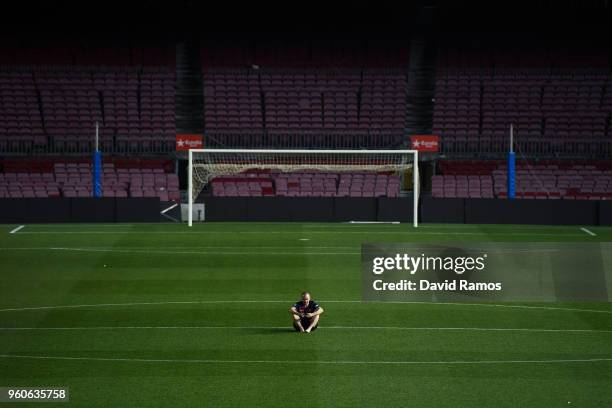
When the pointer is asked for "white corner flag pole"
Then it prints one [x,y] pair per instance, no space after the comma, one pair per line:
[97,134]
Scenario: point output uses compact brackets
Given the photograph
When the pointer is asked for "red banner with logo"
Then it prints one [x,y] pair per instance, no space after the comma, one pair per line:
[425,143]
[186,142]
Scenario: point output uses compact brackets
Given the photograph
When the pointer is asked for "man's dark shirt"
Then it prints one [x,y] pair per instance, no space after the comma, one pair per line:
[301,308]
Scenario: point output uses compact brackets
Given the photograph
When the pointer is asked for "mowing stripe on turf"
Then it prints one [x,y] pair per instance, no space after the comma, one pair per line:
[205,361]
[589,232]
[288,328]
[203,302]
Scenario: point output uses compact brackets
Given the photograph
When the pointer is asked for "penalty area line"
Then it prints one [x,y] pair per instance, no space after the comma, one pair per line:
[306,232]
[14,231]
[338,362]
[236,301]
[324,328]
[591,233]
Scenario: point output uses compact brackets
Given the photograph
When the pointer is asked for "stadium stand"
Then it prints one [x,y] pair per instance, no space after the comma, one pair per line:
[55,110]
[305,102]
[50,100]
[310,55]
[551,180]
[307,184]
[51,97]
[21,123]
[73,178]
[305,96]
[558,108]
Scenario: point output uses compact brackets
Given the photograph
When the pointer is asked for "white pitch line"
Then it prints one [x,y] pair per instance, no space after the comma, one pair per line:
[204,248]
[588,232]
[217,252]
[17,229]
[339,362]
[233,248]
[203,302]
[300,232]
[328,225]
[162,252]
[288,328]
[169,208]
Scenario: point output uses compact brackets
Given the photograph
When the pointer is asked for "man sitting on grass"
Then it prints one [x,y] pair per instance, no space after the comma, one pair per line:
[305,314]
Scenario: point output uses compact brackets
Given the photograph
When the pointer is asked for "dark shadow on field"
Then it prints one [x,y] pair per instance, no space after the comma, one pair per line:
[270,330]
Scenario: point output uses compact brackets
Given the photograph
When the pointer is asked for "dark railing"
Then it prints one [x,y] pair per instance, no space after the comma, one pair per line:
[533,147]
[310,140]
[472,147]
[79,147]
[143,145]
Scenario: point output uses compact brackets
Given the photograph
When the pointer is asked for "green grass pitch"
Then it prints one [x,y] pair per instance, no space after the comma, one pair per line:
[166,316]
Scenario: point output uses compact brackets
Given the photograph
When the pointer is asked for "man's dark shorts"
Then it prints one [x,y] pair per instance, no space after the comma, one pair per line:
[305,323]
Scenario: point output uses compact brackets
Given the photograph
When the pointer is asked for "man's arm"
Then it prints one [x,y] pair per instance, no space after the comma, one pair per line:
[316,312]
[294,311]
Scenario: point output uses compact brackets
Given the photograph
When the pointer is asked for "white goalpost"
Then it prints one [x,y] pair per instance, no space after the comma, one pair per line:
[206,164]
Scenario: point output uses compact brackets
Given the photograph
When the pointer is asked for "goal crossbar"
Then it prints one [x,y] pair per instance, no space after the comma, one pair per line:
[234,167]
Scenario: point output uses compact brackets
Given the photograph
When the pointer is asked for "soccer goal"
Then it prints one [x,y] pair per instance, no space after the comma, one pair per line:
[206,164]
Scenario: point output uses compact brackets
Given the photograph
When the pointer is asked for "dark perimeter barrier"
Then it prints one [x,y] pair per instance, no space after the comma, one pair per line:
[313,209]
[305,209]
[498,211]
[432,210]
[60,210]
[605,213]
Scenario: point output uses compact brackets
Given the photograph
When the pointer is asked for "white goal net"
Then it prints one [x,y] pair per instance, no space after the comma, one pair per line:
[206,164]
